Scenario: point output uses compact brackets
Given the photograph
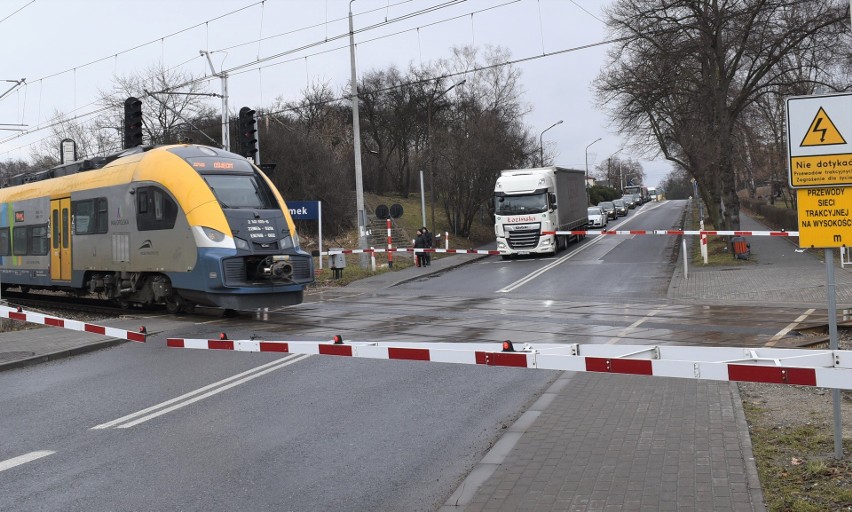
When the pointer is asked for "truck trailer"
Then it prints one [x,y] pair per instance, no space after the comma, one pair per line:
[530,204]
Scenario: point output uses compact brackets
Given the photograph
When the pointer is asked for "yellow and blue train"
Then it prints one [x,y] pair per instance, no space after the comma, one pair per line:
[179,225]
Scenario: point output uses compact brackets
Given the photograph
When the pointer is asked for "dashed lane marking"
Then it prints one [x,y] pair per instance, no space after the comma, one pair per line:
[23,459]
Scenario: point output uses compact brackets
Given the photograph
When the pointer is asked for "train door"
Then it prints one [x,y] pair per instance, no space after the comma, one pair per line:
[60,252]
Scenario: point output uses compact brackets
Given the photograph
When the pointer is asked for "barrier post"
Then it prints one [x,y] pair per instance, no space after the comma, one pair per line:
[685,257]
[446,240]
[372,259]
[390,248]
[704,247]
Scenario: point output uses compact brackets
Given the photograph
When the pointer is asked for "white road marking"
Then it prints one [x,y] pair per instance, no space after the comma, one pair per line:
[199,394]
[783,332]
[524,280]
[634,325]
[23,459]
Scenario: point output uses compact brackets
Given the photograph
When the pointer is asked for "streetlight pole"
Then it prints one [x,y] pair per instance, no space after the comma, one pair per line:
[541,142]
[356,132]
[429,134]
[587,156]
[609,165]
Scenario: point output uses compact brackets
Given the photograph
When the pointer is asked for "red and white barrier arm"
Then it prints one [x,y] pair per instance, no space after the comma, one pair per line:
[822,368]
[409,249]
[74,325]
[674,232]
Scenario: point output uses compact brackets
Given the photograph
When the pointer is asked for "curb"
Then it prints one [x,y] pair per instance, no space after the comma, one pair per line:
[61,354]
[755,490]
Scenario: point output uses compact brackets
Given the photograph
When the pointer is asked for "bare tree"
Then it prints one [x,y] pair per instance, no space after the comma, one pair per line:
[683,72]
[170,104]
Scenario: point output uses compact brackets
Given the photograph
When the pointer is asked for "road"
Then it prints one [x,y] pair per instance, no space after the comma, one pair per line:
[145,427]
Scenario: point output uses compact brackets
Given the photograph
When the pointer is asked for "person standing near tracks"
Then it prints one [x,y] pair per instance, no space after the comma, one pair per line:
[420,243]
[427,240]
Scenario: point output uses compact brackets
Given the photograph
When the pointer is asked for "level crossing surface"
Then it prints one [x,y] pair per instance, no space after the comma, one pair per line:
[588,441]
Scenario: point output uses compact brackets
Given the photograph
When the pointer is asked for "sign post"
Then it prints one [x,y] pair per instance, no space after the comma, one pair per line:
[819,144]
[308,210]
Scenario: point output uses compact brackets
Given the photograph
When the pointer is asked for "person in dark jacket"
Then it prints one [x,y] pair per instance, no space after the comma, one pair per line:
[420,243]
[427,240]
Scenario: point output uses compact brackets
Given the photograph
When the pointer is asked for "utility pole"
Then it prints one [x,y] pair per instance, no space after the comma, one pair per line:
[356,133]
[226,121]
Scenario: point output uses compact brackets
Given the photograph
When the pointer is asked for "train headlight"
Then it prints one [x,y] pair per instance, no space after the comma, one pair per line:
[213,234]
[286,243]
[241,244]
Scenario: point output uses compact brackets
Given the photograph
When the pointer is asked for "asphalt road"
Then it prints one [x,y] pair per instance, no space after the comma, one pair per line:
[145,427]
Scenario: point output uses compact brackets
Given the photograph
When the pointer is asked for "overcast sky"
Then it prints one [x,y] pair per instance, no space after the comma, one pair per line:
[68,49]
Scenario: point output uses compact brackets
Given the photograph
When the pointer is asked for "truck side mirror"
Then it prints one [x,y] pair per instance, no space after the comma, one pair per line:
[553,200]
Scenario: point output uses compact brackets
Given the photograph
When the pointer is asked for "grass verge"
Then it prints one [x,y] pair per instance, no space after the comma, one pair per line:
[796,468]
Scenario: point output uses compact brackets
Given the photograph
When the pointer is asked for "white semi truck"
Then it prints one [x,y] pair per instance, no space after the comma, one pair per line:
[530,204]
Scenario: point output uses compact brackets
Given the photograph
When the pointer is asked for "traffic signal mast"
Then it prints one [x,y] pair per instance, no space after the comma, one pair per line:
[132,122]
[248,133]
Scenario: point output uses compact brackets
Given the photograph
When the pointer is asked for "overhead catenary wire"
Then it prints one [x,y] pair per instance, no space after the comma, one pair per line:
[240,69]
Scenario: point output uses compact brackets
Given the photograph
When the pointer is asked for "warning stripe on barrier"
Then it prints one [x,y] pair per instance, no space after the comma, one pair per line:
[674,232]
[74,325]
[821,368]
[659,232]
[409,249]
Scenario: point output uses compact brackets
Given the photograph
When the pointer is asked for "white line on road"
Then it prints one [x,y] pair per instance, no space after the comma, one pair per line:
[783,332]
[187,398]
[542,270]
[634,325]
[23,459]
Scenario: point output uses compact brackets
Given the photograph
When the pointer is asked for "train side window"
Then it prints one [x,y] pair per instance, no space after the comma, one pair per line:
[66,229]
[19,240]
[155,209]
[39,243]
[5,246]
[55,224]
[90,216]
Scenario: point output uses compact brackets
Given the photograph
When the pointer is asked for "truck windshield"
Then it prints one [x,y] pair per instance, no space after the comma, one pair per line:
[518,205]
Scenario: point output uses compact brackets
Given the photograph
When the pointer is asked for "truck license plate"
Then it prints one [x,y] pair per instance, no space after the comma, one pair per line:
[524,253]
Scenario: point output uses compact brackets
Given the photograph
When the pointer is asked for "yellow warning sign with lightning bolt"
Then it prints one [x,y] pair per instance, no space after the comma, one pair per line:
[819,141]
[822,132]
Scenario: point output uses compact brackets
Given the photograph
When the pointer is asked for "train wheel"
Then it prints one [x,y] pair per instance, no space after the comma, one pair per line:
[175,304]
[25,289]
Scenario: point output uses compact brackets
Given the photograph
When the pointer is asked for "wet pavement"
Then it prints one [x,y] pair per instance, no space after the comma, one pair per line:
[591,442]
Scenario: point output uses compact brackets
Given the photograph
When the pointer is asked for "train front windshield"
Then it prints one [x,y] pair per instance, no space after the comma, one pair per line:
[234,183]
[240,191]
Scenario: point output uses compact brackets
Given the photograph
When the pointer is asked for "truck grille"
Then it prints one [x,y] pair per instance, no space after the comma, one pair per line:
[523,239]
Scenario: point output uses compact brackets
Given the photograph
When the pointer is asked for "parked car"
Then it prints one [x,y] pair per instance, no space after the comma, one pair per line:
[609,208]
[620,208]
[598,217]
[629,201]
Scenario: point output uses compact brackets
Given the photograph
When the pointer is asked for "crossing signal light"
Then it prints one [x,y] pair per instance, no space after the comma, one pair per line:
[132,122]
[248,133]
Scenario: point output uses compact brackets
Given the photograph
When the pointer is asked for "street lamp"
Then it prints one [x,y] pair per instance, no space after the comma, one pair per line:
[609,166]
[587,156]
[356,131]
[541,141]
[429,133]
